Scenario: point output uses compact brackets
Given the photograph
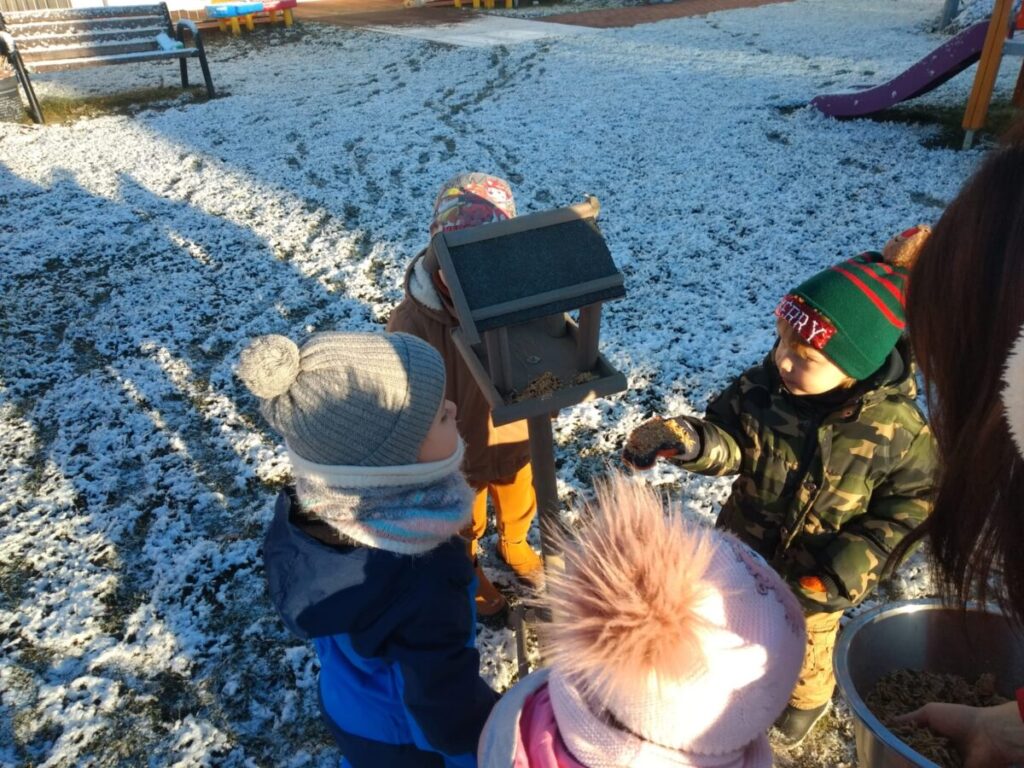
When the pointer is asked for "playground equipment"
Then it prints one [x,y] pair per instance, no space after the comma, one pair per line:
[228,13]
[487,4]
[997,43]
[984,43]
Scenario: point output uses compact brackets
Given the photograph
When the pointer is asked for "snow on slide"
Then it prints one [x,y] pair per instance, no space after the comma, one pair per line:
[946,61]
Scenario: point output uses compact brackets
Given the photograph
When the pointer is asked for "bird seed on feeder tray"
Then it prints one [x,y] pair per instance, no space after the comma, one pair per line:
[541,388]
[545,385]
[584,377]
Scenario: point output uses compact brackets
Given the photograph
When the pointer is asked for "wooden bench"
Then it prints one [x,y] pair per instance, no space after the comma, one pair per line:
[46,41]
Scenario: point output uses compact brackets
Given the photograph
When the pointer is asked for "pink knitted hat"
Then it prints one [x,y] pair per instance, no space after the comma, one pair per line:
[670,644]
[470,199]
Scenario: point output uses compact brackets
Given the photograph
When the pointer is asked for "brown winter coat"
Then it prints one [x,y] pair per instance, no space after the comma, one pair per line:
[492,453]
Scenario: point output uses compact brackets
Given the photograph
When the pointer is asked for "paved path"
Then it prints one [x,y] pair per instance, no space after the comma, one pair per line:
[645,14]
[363,13]
[376,13]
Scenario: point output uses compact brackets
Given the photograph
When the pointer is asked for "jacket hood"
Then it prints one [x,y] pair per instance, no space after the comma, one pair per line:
[896,375]
[322,588]
[419,285]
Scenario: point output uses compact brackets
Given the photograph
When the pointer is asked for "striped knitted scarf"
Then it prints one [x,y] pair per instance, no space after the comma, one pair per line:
[408,510]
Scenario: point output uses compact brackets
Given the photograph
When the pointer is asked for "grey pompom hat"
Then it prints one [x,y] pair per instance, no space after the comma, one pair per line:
[347,399]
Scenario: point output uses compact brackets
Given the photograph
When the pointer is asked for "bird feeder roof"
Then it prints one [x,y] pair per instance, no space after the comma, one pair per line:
[527,267]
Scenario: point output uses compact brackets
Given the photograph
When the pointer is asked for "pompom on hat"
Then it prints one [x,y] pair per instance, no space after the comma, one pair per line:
[347,399]
[669,644]
[1013,392]
[853,313]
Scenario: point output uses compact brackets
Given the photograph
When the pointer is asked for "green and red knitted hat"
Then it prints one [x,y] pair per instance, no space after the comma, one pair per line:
[853,313]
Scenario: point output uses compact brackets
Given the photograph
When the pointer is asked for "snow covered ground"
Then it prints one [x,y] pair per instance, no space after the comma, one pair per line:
[139,253]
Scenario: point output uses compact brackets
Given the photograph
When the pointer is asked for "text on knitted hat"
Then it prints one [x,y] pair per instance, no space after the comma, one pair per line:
[879,278]
[812,326]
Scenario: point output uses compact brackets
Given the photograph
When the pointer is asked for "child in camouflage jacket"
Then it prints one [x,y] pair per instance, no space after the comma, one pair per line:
[835,460]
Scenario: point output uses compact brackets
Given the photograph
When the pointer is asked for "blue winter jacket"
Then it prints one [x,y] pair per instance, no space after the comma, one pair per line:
[395,635]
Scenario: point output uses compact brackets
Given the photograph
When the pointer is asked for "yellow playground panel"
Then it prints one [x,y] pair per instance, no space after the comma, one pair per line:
[228,12]
[998,41]
[487,3]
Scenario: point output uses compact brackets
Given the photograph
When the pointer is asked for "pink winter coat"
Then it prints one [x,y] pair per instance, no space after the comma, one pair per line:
[521,731]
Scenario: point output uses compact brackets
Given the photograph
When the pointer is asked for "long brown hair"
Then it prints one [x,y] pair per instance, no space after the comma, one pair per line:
[965,308]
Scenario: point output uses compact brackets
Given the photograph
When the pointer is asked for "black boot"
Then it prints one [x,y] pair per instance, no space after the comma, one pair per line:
[794,724]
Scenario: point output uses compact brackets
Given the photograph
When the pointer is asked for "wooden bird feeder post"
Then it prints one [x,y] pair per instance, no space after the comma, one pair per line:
[512,283]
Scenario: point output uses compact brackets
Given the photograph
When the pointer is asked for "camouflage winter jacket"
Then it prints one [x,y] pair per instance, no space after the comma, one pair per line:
[825,489]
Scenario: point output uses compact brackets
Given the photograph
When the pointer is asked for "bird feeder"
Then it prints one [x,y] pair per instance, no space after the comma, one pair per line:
[512,284]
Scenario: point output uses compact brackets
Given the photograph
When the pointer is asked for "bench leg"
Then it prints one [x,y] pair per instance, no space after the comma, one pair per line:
[206,69]
[183,63]
[235,28]
[249,23]
[288,19]
[33,103]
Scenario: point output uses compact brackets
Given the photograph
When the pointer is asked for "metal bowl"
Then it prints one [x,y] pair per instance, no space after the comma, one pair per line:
[922,635]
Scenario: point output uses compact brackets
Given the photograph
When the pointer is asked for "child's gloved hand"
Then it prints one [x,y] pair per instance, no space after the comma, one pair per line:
[669,438]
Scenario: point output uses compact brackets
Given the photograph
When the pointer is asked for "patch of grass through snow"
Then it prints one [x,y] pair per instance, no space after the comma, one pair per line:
[14,579]
[21,725]
[62,109]
[947,119]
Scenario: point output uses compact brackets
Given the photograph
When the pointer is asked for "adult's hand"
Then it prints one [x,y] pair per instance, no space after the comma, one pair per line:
[986,737]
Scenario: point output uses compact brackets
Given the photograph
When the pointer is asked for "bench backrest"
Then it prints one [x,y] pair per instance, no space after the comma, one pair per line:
[64,35]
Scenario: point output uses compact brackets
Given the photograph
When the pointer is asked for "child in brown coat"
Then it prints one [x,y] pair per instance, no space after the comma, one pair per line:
[497,462]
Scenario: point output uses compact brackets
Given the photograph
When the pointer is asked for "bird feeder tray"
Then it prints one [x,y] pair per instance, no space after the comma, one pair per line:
[535,355]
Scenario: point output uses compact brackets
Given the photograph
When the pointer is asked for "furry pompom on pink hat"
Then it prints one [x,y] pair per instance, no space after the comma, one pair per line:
[1013,392]
[667,639]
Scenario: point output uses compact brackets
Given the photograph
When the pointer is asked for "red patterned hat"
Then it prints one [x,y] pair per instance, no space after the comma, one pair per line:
[471,199]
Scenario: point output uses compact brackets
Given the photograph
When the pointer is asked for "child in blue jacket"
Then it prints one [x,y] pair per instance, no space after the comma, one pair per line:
[363,555]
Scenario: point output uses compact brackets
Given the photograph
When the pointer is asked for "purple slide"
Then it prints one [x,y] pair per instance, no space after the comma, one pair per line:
[949,59]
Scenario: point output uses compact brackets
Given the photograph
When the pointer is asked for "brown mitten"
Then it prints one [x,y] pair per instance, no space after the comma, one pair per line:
[669,438]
